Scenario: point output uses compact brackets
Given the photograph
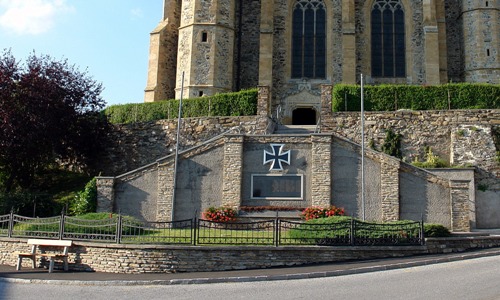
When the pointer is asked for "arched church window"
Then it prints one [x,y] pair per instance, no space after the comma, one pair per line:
[309,39]
[388,39]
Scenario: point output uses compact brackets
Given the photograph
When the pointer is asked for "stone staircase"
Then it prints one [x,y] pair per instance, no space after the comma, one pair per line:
[295,129]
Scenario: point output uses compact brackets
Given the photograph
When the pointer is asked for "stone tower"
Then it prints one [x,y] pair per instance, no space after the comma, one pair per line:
[206,42]
[163,54]
[481,38]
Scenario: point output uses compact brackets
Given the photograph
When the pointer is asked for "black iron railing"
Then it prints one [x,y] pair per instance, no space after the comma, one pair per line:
[278,232]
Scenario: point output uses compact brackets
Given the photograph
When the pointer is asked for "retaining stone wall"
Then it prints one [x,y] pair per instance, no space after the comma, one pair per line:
[436,129]
[135,145]
[118,258]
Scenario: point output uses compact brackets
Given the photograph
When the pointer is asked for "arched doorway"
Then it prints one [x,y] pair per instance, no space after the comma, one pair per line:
[304,116]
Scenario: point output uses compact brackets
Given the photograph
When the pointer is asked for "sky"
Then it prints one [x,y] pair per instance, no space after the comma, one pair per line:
[108,38]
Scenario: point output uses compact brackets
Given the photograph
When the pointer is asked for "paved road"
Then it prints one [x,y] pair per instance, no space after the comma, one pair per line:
[468,279]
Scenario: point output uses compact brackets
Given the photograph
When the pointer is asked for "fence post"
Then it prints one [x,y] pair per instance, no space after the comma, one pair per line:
[194,227]
[277,230]
[11,223]
[422,232]
[119,227]
[61,225]
[351,234]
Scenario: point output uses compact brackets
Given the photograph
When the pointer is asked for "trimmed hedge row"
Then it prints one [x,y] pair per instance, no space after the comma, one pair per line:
[438,97]
[243,103]
[344,98]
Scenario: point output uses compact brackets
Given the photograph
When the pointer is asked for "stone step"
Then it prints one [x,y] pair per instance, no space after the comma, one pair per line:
[295,129]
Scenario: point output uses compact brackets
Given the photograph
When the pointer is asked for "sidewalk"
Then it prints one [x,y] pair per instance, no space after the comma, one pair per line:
[28,275]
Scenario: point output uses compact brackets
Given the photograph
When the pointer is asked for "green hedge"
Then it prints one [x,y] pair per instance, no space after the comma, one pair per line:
[414,97]
[243,103]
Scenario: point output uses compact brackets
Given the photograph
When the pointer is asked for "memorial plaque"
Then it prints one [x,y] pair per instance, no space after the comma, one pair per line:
[277,187]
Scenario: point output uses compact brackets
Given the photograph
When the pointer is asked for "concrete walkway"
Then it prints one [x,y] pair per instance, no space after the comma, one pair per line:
[28,275]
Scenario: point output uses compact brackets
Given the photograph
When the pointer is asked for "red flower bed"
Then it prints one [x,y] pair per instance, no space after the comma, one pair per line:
[219,214]
[321,212]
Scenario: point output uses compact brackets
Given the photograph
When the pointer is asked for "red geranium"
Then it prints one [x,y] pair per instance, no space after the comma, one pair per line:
[316,212]
[220,214]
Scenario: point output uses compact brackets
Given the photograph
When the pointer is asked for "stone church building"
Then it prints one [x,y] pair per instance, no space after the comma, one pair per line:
[294,51]
[294,46]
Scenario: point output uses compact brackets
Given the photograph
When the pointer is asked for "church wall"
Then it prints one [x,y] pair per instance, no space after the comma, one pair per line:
[455,44]
[447,41]
[247,41]
[415,53]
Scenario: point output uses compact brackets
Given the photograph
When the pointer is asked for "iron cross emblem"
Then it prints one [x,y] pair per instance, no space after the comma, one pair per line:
[276,157]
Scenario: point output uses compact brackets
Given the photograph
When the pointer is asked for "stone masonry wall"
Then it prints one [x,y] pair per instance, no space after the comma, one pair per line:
[138,144]
[135,145]
[119,258]
[419,129]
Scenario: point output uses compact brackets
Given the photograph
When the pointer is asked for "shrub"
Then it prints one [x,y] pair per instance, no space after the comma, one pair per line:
[86,200]
[243,103]
[392,144]
[27,203]
[321,228]
[101,223]
[431,161]
[321,212]
[393,97]
[219,214]
[435,230]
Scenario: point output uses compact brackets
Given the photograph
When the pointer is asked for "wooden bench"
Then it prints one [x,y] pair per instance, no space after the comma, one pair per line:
[37,243]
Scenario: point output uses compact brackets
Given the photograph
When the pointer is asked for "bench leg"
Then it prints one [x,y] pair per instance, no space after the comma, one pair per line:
[65,261]
[51,265]
[19,263]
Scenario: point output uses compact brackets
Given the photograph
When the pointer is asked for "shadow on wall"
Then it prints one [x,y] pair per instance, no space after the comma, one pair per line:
[345,171]
[198,187]
[413,195]
[140,203]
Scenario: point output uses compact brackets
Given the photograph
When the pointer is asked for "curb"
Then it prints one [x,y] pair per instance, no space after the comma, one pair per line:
[309,275]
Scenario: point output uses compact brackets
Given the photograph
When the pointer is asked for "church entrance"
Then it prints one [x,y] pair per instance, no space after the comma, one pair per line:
[304,116]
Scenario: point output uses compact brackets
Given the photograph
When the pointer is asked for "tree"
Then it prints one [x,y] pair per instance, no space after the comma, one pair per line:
[49,112]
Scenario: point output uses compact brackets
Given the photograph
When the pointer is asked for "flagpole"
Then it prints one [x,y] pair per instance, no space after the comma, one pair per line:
[362,149]
[177,148]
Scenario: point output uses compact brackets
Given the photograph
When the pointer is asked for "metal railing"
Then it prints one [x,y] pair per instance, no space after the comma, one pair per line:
[277,232]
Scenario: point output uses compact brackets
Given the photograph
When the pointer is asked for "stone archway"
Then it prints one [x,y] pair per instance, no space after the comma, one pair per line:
[304,116]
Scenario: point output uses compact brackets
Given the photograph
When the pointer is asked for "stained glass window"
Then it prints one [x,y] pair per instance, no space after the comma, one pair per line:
[309,39]
[388,39]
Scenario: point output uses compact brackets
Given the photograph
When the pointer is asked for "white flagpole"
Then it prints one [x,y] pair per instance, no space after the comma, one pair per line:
[362,149]
[177,148]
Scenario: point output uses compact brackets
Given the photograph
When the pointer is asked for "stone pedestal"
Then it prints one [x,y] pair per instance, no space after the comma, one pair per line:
[164,204]
[459,194]
[389,189]
[105,194]
[233,171]
[321,183]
